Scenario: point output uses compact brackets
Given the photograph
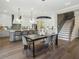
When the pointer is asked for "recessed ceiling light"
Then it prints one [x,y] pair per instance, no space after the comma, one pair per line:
[68,3]
[7,0]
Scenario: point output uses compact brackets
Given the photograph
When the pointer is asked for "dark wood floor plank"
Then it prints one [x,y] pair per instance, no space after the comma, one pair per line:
[14,50]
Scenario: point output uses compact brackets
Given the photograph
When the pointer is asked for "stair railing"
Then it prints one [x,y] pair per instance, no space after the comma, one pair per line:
[71,28]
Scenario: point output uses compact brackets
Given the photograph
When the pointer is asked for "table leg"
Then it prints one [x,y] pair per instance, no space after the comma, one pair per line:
[33,49]
[56,41]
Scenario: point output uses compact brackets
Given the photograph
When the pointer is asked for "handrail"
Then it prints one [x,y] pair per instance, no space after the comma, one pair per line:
[71,29]
[61,25]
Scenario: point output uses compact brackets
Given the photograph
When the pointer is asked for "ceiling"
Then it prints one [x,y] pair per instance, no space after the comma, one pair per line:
[36,5]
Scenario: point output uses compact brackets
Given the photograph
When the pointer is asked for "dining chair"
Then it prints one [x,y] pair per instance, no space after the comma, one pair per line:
[25,43]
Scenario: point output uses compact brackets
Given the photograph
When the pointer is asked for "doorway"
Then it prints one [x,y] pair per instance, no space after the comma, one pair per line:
[62,18]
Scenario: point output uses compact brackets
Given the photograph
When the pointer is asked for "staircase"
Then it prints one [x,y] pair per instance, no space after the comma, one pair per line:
[66,31]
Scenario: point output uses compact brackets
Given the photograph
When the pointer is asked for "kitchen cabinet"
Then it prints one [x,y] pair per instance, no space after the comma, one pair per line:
[4,33]
[13,37]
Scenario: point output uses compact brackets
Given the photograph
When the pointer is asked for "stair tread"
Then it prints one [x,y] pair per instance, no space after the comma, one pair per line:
[65,31]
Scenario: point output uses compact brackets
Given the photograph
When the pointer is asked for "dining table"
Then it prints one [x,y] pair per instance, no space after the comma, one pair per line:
[34,37]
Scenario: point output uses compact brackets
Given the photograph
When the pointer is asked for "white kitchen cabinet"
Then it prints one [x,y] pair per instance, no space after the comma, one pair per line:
[13,37]
[4,33]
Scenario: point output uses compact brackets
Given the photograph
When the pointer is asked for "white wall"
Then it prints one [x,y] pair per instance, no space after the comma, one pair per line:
[75,32]
[5,19]
[77,17]
[77,21]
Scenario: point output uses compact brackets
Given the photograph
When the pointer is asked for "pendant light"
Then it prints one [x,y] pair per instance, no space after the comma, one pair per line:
[18,19]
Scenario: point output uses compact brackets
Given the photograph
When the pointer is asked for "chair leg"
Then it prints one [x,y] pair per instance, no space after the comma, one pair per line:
[29,46]
[25,47]
[14,38]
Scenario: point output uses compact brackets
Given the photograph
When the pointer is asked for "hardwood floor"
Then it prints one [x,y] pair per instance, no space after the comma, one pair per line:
[14,50]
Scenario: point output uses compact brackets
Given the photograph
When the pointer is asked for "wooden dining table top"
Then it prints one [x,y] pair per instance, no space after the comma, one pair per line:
[34,37]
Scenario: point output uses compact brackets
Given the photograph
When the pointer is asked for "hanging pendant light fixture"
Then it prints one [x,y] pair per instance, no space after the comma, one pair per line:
[43,0]
[18,19]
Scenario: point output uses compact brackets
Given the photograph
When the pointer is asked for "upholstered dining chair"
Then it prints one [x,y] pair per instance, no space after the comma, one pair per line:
[25,43]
